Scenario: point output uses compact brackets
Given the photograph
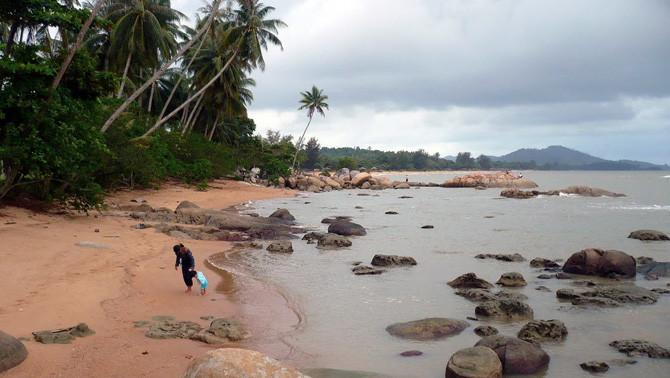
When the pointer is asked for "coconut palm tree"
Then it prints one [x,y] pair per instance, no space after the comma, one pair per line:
[313,101]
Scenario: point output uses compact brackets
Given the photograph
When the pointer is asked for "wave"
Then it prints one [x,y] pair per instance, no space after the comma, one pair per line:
[637,207]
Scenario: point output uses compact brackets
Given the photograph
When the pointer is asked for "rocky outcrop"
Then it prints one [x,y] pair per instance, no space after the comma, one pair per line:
[475,362]
[233,362]
[282,246]
[537,331]
[501,257]
[517,356]
[505,309]
[596,262]
[485,295]
[493,180]
[609,296]
[469,281]
[346,228]
[332,241]
[640,348]
[595,366]
[578,190]
[427,329]
[648,235]
[361,270]
[511,279]
[392,260]
[12,352]
[518,194]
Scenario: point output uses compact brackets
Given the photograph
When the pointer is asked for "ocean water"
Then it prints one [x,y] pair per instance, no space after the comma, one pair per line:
[324,316]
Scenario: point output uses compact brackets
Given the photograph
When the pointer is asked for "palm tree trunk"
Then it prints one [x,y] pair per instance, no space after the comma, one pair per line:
[204,88]
[151,97]
[184,114]
[125,74]
[216,121]
[174,89]
[158,73]
[191,120]
[300,144]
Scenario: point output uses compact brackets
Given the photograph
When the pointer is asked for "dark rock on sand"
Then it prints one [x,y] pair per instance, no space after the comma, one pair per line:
[346,228]
[484,331]
[648,235]
[226,328]
[595,366]
[597,262]
[661,269]
[283,246]
[65,336]
[517,356]
[330,241]
[427,329]
[392,260]
[640,347]
[282,214]
[511,279]
[470,281]
[505,309]
[366,270]
[502,257]
[476,362]
[12,352]
[233,362]
[172,329]
[539,262]
[537,331]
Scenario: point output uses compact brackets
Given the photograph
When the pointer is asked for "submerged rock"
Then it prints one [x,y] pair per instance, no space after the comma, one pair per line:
[346,228]
[283,246]
[648,235]
[366,270]
[392,260]
[329,241]
[470,281]
[511,279]
[656,268]
[539,262]
[640,347]
[595,366]
[610,296]
[427,329]
[537,331]
[502,257]
[506,309]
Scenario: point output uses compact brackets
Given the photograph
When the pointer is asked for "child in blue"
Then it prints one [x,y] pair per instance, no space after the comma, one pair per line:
[200,277]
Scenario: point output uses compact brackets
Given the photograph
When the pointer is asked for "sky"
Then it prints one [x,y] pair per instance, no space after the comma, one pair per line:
[480,76]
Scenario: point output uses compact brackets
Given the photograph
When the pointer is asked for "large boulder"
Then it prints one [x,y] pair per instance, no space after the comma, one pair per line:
[12,352]
[469,281]
[596,262]
[517,356]
[427,329]
[648,235]
[233,362]
[537,331]
[392,260]
[360,178]
[475,362]
[346,228]
[505,309]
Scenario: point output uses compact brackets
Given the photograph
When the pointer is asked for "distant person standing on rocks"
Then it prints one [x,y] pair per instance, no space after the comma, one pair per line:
[185,259]
[520,175]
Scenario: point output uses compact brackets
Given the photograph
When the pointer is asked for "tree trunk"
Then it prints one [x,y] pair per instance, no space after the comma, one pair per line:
[11,176]
[158,73]
[209,84]
[125,74]
[216,121]
[184,114]
[151,97]
[300,144]
[12,35]
[195,110]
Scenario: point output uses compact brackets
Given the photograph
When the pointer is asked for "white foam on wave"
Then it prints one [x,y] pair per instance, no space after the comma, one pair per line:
[637,207]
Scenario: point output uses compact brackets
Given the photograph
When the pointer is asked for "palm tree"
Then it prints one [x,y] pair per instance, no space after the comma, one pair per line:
[247,36]
[313,100]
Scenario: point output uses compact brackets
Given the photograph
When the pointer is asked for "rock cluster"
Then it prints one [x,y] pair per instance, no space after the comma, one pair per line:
[493,180]
[578,190]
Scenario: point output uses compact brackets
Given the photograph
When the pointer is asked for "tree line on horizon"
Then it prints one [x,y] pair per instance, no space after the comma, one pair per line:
[107,94]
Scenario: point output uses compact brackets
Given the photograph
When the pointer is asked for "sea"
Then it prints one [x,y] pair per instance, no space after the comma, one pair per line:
[322,316]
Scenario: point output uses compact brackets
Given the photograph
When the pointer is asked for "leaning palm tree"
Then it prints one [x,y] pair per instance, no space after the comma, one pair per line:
[313,100]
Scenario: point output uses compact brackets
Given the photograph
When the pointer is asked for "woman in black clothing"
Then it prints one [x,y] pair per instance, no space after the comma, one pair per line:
[185,259]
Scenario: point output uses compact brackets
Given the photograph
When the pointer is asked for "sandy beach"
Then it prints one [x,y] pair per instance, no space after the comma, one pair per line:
[50,283]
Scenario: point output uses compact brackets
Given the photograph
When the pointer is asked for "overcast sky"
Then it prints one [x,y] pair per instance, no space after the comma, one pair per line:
[483,76]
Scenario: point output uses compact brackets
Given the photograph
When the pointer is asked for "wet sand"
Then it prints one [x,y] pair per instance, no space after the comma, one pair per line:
[50,283]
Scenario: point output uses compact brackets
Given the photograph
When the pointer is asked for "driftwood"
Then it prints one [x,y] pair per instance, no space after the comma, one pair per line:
[68,329]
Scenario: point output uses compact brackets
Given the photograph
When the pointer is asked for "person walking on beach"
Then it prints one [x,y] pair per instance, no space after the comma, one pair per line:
[185,259]
[202,280]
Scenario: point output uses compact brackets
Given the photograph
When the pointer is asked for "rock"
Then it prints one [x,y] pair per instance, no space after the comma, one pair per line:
[282,214]
[470,281]
[610,296]
[634,348]
[360,178]
[427,329]
[428,226]
[584,191]
[392,260]
[284,246]
[171,329]
[82,330]
[346,228]
[543,288]
[502,257]
[537,331]
[517,356]
[511,279]
[401,185]
[494,180]
[643,260]
[233,362]
[648,235]
[411,353]
[543,263]
[12,352]
[506,309]
[595,366]
[313,236]
[226,328]
[475,362]
[65,336]
[391,213]
[517,194]
[366,270]
[661,269]
[484,295]
[187,205]
[484,331]
[331,241]
[596,262]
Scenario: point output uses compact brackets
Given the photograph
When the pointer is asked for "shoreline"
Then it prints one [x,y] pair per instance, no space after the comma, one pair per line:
[51,283]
